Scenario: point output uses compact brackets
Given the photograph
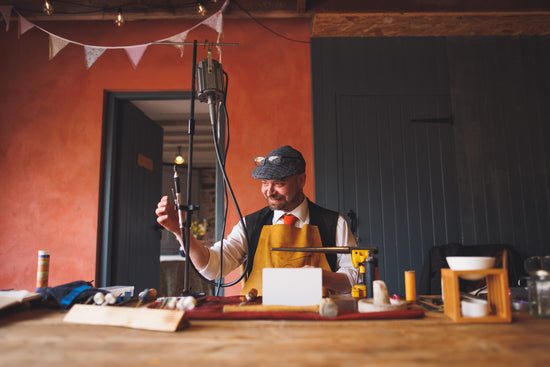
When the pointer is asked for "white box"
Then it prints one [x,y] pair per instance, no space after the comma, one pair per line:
[292,286]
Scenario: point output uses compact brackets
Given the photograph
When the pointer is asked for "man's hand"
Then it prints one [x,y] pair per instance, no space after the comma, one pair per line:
[337,282]
[167,216]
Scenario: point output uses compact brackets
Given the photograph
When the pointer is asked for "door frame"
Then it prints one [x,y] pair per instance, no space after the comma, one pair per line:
[112,101]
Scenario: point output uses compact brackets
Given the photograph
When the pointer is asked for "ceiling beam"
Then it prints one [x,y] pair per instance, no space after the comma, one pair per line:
[301,6]
[431,24]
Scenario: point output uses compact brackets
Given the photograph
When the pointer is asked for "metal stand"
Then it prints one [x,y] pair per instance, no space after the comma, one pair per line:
[185,228]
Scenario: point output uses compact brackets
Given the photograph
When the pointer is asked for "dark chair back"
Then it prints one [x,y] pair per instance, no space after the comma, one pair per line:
[507,257]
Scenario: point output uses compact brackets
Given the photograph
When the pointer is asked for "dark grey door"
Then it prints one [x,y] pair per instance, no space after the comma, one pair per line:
[398,176]
[383,145]
[135,247]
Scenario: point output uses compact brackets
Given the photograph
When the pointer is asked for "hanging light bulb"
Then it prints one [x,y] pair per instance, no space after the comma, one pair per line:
[119,21]
[47,8]
[179,158]
[201,8]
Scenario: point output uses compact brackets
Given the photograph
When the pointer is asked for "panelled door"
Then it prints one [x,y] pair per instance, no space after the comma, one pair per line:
[398,177]
[384,145]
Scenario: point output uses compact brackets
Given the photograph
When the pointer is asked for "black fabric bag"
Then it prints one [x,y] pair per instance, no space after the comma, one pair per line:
[66,295]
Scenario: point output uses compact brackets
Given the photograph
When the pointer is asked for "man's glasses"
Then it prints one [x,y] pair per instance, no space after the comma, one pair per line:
[274,159]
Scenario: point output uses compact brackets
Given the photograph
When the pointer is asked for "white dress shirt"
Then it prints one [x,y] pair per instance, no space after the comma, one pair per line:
[234,246]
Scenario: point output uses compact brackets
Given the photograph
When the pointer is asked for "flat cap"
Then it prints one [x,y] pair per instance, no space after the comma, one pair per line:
[280,163]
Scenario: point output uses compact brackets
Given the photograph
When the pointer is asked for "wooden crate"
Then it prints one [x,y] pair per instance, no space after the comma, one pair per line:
[497,295]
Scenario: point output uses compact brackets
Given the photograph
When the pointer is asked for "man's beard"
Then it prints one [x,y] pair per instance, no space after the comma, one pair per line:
[282,203]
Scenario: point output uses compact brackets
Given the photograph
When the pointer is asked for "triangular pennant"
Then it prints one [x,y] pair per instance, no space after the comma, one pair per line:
[224,6]
[135,53]
[5,10]
[179,38]
[215,22]
[92,54]
[219,47]
[56,45]
[24,25]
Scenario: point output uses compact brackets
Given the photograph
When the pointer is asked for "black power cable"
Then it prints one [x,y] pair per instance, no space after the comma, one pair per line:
[221,164]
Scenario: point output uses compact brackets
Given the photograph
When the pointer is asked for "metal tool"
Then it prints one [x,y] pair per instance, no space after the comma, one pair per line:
[147,295]
[361,257]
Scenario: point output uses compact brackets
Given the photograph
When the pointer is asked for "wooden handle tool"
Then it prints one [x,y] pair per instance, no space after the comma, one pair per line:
[325,308]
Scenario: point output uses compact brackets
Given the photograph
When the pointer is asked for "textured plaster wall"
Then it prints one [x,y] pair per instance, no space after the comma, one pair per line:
[51,120]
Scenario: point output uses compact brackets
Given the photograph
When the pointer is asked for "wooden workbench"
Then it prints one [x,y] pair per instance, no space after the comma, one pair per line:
[38,337]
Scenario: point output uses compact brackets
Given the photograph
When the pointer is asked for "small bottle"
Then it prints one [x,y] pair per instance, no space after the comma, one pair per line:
[43,270]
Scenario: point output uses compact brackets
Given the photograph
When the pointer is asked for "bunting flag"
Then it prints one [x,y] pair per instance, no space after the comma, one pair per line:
[215,22]
[135,53]
[179,38]
[56,45]
[92,54]
[24,25]
[5,10]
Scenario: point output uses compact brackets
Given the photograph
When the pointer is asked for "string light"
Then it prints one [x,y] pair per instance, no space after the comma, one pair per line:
[179,158]
[77,8]
[119,21]
[48,8]
[201,8]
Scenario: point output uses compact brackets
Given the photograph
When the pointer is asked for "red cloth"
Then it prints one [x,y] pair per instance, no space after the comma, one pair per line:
[211,308]
[289,219]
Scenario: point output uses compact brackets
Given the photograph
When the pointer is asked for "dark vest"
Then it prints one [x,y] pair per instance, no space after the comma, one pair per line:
[326,220]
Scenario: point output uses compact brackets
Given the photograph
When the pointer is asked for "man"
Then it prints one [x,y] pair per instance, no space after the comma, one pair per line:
[283,178]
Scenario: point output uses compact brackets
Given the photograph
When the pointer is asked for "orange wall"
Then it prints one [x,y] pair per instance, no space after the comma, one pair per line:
[51,121]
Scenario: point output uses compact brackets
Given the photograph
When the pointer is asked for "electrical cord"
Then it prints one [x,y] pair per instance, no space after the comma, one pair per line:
[221,163]
[266,27]
[91,9]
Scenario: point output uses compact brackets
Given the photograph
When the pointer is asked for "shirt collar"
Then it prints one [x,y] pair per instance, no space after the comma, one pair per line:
[301,212]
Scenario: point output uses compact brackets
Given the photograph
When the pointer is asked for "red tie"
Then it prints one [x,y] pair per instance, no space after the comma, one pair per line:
[289,219]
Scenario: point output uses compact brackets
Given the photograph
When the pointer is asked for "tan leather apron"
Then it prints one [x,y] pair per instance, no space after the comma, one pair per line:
[282,235]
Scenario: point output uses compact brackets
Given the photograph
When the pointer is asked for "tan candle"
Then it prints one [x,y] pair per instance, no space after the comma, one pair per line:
[410,285]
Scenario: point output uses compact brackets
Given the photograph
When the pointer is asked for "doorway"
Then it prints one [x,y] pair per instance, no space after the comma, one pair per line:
[129,246]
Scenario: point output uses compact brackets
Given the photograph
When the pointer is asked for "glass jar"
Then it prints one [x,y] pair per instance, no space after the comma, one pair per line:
[542,285]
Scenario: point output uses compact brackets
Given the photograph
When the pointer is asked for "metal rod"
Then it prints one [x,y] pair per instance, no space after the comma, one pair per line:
[193,43]
[323,250]
[190,207]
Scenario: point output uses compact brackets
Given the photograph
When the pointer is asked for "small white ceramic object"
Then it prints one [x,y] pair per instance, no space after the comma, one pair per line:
[474,308]
[380,301]
[470,263]
[367,305]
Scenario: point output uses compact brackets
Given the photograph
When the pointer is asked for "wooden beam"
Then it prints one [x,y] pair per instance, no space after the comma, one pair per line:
[430,24]
[301,6]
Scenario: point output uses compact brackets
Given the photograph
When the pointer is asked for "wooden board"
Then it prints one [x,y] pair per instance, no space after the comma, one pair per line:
[135,318]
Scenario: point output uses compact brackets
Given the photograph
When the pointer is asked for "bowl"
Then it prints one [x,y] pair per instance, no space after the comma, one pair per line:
[470,263]
[474,308]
